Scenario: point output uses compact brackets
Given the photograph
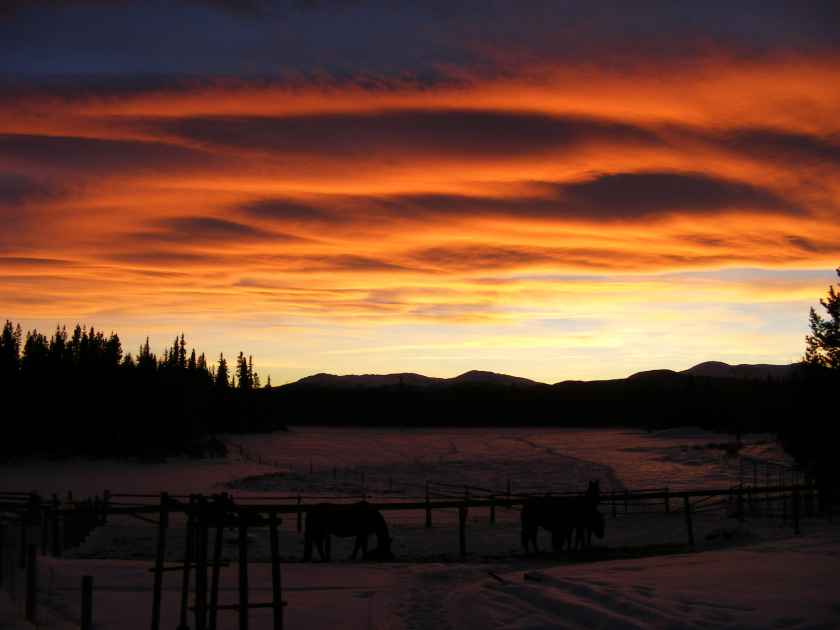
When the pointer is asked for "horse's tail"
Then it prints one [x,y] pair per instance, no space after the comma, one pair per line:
[380,528]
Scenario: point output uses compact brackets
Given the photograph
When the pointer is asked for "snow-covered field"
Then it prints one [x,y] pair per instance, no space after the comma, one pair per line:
[748,575]
[317,460]
[789,583]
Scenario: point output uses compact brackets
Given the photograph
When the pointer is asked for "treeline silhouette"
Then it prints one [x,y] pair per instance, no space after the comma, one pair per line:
[655,400]
[79,393]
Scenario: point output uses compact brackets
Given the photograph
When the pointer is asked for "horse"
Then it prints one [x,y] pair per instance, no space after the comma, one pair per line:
[586,520]
[546,512]
[360,519]
[565,517]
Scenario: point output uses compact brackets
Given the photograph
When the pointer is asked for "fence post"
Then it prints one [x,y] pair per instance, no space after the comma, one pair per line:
[2,551]
[219,514]
[688,525]
[796,510]
[189,544]
[276,584]
[87,602]
[106,502]
[201,566]
[462,530]
[31,582]
[299,515]
[428,507]
[163,524]
[243,571]
[56,528]
[24,542]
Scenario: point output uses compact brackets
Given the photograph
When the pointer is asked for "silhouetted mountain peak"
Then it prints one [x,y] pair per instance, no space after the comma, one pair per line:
[653,375]
[718,369]
[494,378]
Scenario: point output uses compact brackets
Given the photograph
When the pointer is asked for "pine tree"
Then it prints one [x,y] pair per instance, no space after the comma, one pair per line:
[268,382]
[192,363]
[182,353]
[242,374]
[10,349]
[113,350]
[823,344]
[222,372]
[145,359]
[35,354]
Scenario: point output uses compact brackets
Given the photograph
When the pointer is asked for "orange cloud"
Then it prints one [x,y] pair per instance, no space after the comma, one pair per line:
[469,202]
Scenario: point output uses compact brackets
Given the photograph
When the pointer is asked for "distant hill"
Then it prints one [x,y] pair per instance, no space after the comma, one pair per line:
[364,381]
[762,371]
[492,378]
[712,395]
[709,369]
[367,380]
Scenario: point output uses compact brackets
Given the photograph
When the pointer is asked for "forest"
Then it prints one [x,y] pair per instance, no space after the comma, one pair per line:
[79,393]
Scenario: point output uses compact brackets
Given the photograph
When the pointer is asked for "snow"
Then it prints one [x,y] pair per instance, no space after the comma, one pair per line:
[749,575]
[787,583]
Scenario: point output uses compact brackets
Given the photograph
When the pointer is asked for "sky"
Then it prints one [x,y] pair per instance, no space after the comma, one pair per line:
[557,190]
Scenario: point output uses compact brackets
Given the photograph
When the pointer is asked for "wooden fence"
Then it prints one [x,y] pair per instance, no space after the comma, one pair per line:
[30,523]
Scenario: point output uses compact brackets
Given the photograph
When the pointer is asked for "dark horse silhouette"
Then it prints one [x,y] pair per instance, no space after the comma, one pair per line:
[564,517]
[360,519]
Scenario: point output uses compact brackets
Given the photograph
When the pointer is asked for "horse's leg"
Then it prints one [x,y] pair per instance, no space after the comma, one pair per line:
[328,546]
[307,546]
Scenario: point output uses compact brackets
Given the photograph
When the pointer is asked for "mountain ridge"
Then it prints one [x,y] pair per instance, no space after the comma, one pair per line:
[712,369]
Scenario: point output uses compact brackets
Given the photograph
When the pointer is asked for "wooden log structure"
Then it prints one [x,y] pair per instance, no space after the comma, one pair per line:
[32,584]
[87,603]
[160,556]
[462,529]
[243,570]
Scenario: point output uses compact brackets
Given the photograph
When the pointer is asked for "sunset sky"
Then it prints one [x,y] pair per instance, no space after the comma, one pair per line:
[549,189]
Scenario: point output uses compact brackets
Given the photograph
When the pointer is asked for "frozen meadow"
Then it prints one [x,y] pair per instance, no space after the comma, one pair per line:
[754,574]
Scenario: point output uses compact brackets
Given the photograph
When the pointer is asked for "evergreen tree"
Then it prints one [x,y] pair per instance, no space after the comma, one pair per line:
[36,352]
[242,373]
[823,344]
[145,359]
[268,382]
[182,353]
[10,349]
[113,351]
[192,363]
[222,372]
